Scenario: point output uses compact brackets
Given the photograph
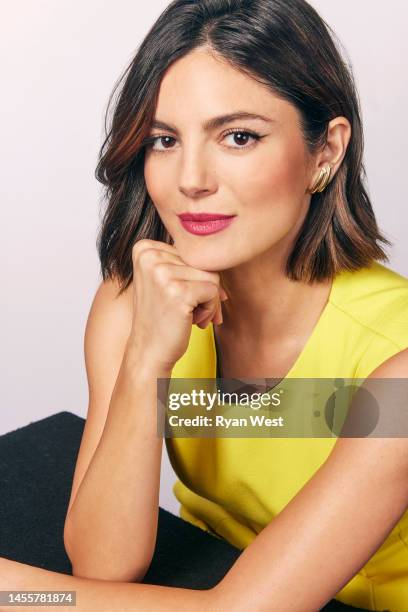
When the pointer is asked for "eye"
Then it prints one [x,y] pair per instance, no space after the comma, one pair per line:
[240,137]
[164,140]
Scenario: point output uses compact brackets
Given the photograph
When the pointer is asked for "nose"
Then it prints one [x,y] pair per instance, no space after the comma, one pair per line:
[196,176]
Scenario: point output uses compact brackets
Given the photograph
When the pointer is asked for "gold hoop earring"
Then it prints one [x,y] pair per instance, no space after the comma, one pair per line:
[322,180]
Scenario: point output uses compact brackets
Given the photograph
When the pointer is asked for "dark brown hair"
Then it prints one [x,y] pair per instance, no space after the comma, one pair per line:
[284,44]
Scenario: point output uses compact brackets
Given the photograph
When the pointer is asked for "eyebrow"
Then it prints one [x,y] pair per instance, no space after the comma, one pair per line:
[215,122]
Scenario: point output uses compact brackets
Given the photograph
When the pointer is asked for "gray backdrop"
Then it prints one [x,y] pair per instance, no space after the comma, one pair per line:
[59,61]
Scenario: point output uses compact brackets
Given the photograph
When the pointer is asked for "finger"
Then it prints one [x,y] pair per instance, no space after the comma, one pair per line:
[215,317]
[187,273]
[170,252]
[212,312]
[160,248]
[202,313]
[218,319]
[147,243]
[223,294]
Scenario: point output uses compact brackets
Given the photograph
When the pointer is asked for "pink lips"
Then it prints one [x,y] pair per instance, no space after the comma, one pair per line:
[205,223]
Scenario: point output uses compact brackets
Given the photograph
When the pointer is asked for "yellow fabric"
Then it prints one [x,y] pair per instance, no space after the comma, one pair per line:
[233,487]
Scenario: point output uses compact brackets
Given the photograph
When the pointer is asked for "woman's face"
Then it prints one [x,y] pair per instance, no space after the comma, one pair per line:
[260,174]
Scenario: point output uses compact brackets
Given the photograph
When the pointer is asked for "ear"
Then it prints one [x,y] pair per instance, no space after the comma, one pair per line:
[334,150]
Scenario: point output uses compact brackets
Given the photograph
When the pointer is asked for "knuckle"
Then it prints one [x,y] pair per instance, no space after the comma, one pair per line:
[147,257]
[175,288]
[140,245]
[161,273]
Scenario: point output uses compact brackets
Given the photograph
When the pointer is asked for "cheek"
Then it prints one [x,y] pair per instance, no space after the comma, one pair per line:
[279,177]
[272,196]
[270,188]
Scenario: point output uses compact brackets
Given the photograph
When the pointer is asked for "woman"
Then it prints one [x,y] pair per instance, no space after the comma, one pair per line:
[241,109]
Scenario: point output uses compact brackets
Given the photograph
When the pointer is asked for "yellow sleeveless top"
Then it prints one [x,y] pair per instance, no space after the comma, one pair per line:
[233,487]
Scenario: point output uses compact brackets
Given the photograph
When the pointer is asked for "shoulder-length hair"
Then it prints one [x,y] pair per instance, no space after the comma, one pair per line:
[284,44]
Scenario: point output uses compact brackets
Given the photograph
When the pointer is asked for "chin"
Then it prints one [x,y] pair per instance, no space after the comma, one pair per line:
[206,258]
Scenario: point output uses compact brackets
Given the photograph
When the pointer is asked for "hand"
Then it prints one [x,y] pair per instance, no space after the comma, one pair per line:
[168,297]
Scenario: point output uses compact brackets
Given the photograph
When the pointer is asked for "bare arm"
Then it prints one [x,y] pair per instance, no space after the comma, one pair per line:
[103,595]
[361,488]
[111,523]
[330,529]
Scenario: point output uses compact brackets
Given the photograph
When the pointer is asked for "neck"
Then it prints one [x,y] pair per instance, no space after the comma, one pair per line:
[264,303]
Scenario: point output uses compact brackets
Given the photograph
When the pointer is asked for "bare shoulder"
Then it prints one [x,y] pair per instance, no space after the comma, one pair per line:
[108,291]
[112,306]
[107,329]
